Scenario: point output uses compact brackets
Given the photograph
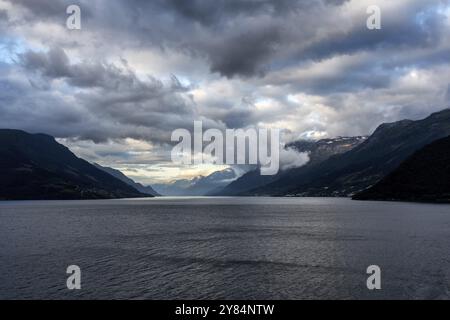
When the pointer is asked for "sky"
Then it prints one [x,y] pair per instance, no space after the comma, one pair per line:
[115,90]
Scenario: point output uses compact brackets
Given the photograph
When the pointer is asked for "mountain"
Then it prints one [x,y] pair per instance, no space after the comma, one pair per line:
[318,151]
[348,173]
[119,175]
[173,188]
[36,167]
[323,149]
[218,179]
[248,181]
[423,177]
[198,186]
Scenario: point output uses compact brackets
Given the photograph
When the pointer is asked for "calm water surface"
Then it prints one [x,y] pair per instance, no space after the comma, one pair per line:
[224,248]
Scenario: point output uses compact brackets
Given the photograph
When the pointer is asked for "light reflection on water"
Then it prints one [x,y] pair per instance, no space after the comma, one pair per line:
[224,248]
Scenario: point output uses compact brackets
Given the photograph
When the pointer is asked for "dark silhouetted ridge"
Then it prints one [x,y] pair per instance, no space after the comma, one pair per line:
[37,167]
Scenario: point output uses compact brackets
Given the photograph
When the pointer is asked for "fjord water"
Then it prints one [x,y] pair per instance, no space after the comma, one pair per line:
[224,248]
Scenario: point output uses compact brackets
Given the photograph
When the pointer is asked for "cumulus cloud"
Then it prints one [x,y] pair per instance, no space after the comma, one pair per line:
[290,158]
[112,100]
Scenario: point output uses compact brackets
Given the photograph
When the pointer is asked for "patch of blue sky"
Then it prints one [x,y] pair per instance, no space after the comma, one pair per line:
[424,17]
[10,48]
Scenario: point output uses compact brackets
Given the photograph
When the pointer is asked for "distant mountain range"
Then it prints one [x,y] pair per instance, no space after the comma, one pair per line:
[119,175]
[423,177]
[198,186]
[350,172]
[36,167]
[318,151]
[404,160]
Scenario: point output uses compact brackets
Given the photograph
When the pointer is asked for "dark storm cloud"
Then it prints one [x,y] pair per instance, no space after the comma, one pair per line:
[205,12]
[228,33]
[26,108]
[114,102]
[240,40]
[210,13]
[55,64]
[3,15]
[4,20]
[243,47]
[244,54]
[417,27]
[46,10]
[261,42]
[246,38]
